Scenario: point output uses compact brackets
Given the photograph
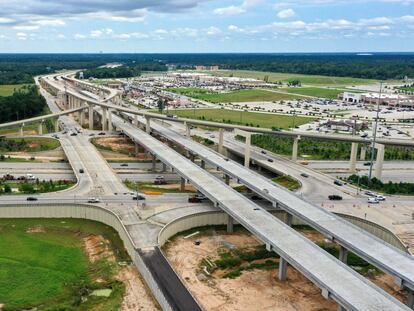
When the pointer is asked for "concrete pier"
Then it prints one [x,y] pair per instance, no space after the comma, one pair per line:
[353,158]
[295,148]
[380,161]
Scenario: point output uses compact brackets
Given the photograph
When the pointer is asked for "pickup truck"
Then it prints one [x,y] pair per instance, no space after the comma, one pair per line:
[197,198]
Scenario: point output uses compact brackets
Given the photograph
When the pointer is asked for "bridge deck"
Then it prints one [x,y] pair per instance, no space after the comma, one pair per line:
[343,284]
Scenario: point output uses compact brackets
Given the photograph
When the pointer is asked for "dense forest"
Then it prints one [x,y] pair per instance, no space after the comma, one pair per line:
[24,103]
[125,71]
[20,68]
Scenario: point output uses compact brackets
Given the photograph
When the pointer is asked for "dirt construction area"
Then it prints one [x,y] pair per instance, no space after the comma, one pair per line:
[220,281]
[137,296]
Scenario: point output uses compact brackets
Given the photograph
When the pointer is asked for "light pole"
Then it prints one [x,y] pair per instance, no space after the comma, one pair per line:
[374,137]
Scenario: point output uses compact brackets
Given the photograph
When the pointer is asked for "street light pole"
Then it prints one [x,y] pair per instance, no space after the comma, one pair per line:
[374,138]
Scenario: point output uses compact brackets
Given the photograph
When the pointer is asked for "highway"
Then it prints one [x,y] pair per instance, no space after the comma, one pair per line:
[351,237]
[343,284]
[335,279]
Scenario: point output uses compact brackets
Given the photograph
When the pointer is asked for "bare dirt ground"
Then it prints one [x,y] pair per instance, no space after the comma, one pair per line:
[224,294]
[137,296]
[216,293]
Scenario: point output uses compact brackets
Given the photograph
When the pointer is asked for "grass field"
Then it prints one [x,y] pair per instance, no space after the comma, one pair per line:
[7,90]
[48,269]
[315,92]
[28,144]
[287,181]
[240,96]
[243,117]
[284,77]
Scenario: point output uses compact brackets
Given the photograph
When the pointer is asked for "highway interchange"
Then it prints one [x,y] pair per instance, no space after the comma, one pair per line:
[336,280]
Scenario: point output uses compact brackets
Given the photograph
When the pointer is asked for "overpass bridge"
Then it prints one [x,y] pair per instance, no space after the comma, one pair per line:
[260,223]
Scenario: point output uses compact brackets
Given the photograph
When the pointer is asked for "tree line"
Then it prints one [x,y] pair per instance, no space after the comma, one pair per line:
[24,103]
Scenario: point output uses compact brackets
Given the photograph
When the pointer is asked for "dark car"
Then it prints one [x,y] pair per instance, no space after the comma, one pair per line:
[124,164]
[338,183]
[367,163]
[138,197]
[81,171]
[304,175]
[101,133]
[270,160]
[335,197]
[197,198]
[263,152]
[31,199]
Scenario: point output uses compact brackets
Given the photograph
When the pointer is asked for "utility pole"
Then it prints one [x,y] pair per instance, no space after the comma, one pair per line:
[374,138]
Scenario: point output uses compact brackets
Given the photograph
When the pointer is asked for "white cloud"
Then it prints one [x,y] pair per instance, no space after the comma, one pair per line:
[230,10]
[79,36]
[286,13]
[211,31]
[238,9]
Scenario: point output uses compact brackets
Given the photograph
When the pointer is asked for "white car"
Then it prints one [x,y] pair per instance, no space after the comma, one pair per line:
[93,200]
[373,200]
[380,197]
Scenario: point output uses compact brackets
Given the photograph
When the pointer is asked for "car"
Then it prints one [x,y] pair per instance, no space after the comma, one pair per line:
[380,197]
[373,200]
[93,200]
[367,163]
[263,152]
[270,160]
[31,199]
[364,135]
[338,183]
[74,134]
[91,134]
[138,197]
[101,133]
[81,171]
[304,175]
[212,136]
[197,198]
[370,193]
[335,197]
[124,164]
[160,180]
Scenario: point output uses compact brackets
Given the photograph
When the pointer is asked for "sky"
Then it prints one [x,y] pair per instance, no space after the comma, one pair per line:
[205,26]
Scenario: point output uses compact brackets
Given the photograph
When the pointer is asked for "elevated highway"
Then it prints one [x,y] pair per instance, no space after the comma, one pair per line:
[334,278]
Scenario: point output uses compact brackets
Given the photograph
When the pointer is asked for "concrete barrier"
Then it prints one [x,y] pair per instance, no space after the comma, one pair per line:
[220,218]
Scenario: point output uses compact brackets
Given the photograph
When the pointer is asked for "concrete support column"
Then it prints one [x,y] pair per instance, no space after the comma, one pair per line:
[353,158]
[21,130]
[40,128]
[295,148]
[288,219]
[135,121]
[187,130]
[192,157]
[82,117]
[104,119]
[90,116]
[247,151]
[343,254]
[227,179]
[148,125]
[164,167]
[136,149]
[57,129]
[230,224]
[380,161]
[110,128]
[203,164]
[282,269]
[154,163]
[363,153]
[182,185]
[410,300]
[221,141]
